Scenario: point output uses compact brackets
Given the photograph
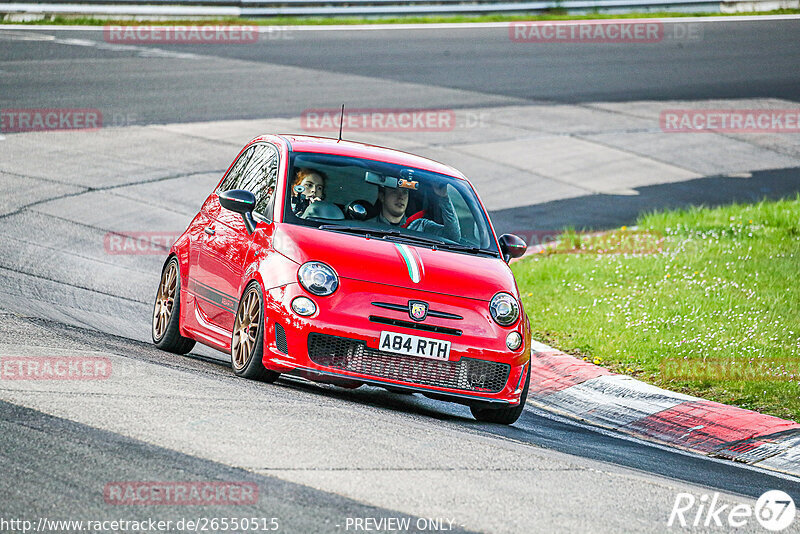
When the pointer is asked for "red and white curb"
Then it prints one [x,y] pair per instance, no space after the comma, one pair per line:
[565,385]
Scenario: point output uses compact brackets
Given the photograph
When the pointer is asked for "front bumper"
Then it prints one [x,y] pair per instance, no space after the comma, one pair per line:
[340,341]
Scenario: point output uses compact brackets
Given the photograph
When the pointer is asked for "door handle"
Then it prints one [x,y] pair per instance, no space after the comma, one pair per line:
[209,230]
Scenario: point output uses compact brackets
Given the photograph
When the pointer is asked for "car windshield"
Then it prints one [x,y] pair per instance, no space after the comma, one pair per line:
[386,201]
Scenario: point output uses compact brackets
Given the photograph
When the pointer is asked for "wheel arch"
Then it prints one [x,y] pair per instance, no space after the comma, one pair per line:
[265,297]
[180,250]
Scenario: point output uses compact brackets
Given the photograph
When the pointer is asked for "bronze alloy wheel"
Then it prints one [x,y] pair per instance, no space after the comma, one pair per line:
[247,339]
[245,329]
[167,311]
[165,300]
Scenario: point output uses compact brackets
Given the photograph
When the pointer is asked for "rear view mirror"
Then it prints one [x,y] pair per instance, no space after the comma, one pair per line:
[380,180]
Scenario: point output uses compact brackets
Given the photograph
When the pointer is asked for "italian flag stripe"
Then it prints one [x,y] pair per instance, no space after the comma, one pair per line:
[411,263]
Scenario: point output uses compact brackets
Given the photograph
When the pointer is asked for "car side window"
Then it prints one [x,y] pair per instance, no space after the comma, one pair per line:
[470,233]
[260,177]
[256,171]
[232,179]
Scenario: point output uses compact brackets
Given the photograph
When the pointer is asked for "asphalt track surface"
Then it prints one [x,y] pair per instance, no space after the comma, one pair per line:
[53,464]
[471,67]
[326,453]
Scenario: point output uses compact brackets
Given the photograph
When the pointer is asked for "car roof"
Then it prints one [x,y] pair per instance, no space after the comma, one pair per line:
[327,145]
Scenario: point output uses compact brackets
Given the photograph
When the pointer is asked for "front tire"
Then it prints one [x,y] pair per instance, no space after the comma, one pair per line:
[167,311]
[247,341]
[503,416]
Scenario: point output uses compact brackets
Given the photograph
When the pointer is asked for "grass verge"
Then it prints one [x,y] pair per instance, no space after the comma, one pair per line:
[700,301]
[323,21]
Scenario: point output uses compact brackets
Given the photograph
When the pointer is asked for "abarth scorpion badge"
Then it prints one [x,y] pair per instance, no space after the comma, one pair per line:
[417,310]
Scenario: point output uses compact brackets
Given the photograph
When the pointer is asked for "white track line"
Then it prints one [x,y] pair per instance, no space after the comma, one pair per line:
[436,26]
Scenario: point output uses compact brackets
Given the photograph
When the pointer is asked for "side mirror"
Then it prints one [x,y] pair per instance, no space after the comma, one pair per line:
[512,246]
[240,201]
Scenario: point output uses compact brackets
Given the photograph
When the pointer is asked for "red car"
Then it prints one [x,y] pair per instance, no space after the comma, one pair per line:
[351,264]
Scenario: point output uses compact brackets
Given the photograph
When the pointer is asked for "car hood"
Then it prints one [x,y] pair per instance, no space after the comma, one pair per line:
[396,264]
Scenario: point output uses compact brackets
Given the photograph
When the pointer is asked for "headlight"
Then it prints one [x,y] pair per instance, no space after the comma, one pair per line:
[504,309]
[318,278]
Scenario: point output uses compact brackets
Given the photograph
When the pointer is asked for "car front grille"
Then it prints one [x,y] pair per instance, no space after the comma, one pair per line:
[467,374]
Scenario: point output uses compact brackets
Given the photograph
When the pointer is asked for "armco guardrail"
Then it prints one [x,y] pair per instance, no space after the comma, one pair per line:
[311,8]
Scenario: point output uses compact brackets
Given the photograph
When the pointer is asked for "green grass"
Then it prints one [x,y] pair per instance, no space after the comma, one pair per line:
[295,21]
[720,299]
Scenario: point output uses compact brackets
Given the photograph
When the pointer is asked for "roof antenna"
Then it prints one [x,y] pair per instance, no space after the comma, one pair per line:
[341,123]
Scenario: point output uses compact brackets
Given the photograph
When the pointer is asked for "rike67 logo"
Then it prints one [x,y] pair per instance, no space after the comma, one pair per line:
[774,510]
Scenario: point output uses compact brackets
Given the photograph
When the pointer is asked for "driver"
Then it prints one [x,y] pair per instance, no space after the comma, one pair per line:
[308,186]
[394,202]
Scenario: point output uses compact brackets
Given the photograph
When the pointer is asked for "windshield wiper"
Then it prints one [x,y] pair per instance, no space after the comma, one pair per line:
[418,239]
[467,248]
[365,230]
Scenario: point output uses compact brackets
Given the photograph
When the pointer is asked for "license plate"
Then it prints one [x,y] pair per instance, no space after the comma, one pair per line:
[422,347]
